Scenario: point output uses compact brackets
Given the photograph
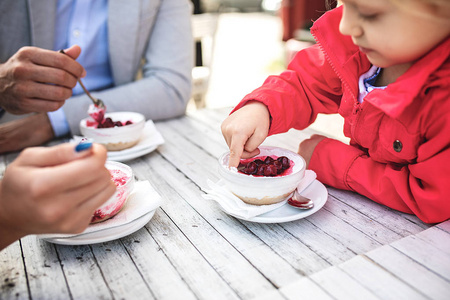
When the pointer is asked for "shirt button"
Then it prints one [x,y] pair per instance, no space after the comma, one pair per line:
[398,146]
[76,33]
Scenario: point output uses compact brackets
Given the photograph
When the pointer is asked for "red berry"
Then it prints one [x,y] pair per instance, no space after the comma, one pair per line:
[270,170]
[251,168]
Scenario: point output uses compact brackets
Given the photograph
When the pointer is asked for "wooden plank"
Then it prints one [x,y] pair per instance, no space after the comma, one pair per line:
[411,272]
[13,278]
[426,254]
[155,267]
[342,231]
[209,140]
[392,219]
[44,271]
[327,247]
[444,226]
[301,257]
[189,158]
[305,289]
[201,278]
[437,238]
[339,284]
[119,271]
[185,201]
[344,240]
[361,222]
[380,282]
[83,275]
[210,117]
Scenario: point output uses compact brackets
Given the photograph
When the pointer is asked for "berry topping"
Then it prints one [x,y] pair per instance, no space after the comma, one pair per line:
[270,166]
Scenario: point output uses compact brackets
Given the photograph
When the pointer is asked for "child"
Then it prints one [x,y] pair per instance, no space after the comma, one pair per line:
[384,66]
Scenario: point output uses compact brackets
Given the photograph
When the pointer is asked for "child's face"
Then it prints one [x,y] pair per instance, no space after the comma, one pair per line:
[391,35]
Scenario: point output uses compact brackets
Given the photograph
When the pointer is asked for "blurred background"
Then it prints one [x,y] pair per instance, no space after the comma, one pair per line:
[241,42]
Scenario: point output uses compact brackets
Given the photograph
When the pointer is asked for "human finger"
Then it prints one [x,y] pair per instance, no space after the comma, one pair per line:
[236,149]
[54,59]
[72,211]
[51,156]
[73,52]
[74,174]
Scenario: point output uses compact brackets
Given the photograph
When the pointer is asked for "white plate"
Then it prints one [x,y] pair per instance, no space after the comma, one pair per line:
[104,235]
[150,140]
[131,155]
[286,213]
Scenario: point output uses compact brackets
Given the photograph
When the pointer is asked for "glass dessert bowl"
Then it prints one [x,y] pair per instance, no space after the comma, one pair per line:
[123,178]
[114,137]
[260,189]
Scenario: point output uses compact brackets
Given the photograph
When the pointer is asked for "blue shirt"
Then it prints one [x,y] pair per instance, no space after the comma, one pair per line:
[83,23]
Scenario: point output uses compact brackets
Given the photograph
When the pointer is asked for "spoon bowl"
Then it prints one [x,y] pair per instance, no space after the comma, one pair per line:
[300,202]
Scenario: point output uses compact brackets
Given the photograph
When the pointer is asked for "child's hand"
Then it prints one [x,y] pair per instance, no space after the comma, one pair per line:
[306,148]
[245,129]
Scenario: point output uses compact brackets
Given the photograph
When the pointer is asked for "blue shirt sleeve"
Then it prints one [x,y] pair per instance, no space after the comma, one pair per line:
[59,122]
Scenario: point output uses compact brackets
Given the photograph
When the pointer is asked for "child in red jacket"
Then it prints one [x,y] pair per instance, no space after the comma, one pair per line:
[384,66]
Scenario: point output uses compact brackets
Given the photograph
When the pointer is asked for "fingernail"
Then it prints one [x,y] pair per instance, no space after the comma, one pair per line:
[83,145]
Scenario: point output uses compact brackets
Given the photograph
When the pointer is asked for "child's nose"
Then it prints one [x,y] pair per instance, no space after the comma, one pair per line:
[349,24]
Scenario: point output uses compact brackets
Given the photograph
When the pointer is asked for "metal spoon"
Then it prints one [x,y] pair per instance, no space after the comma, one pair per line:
[300,202]
[97,102]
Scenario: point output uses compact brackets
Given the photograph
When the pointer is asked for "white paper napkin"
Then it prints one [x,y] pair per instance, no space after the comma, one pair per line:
[141,201]
[233,205]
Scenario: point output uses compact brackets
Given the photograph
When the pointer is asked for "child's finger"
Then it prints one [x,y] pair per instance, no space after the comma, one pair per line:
[236,149]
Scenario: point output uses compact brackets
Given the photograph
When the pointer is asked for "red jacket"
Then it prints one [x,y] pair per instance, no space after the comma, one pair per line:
[399,153]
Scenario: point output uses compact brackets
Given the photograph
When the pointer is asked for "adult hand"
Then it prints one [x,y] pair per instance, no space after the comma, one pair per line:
[245,129]
[52,190]
[306,148]
[38,80]
[26,132]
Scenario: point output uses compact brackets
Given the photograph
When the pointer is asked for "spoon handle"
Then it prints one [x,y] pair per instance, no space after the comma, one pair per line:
[97,102]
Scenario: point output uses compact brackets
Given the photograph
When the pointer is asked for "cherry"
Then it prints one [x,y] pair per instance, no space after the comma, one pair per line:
[270,170]
[267,167]
[109,123]
[284,161]
[268,160]
[258,162]
[261,170]
[251,168]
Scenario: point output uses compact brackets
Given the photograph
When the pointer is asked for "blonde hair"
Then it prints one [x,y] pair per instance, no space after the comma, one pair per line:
[428,8]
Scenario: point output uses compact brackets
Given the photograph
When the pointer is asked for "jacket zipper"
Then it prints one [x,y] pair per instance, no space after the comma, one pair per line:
[356,104]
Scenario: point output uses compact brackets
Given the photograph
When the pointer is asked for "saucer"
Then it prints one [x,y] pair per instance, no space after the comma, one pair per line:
[286,213]
[104,235]
[149,141]
[138,210]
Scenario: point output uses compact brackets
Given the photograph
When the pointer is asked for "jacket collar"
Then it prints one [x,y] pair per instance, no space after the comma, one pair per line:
[349,63]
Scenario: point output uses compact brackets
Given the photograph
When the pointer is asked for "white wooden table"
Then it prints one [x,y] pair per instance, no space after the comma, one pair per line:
[352,248]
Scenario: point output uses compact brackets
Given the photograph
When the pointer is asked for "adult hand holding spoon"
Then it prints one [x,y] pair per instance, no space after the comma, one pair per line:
[38,80]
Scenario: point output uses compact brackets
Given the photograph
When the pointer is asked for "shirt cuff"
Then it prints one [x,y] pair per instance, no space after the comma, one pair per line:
[59,122]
